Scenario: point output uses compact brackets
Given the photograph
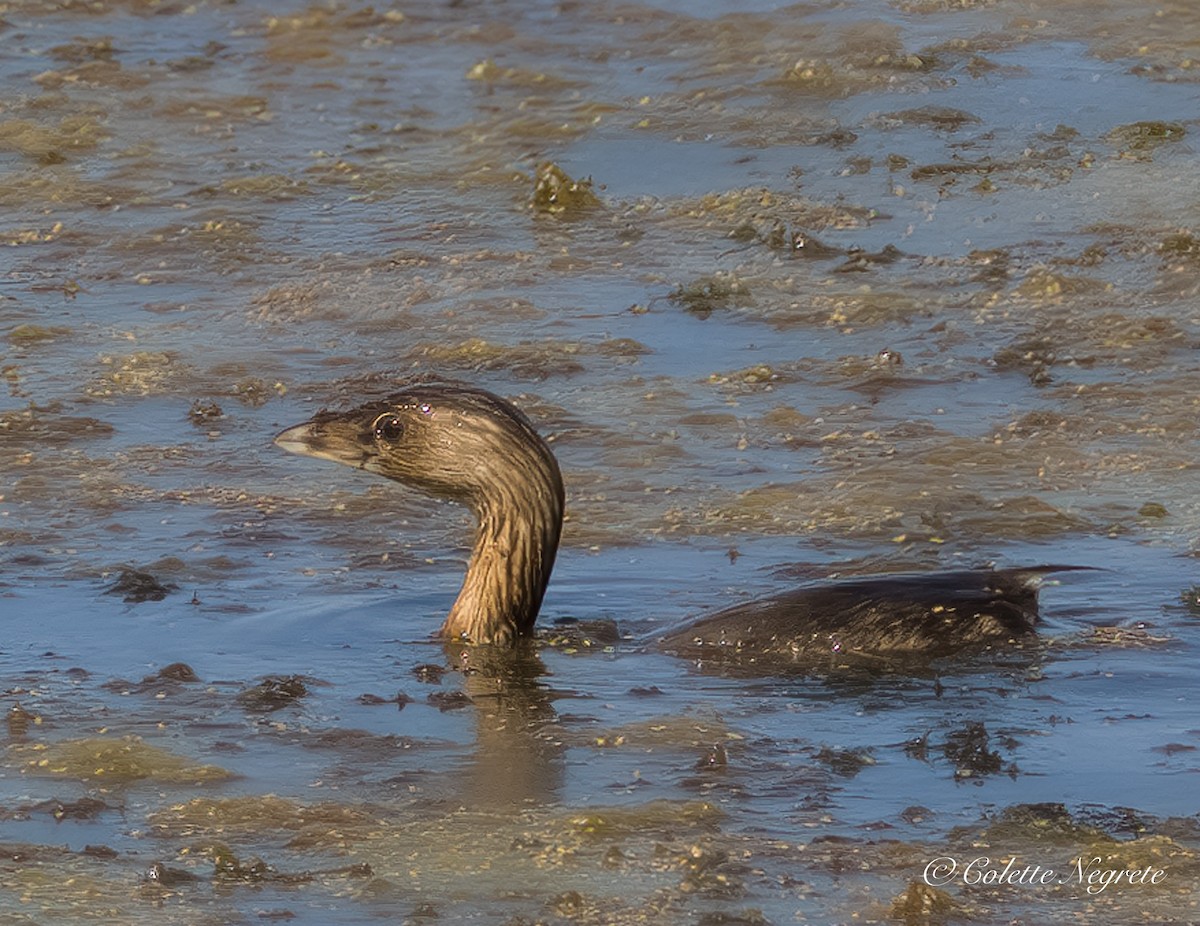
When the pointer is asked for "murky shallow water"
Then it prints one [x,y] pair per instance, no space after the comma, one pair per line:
[221,217]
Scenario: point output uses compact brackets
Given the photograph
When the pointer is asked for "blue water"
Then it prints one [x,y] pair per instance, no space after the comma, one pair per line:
[365,216]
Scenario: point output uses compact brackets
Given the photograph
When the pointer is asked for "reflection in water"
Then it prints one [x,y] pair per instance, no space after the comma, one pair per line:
[516,760]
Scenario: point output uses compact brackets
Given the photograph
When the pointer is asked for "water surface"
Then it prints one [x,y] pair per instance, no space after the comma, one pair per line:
[859,286]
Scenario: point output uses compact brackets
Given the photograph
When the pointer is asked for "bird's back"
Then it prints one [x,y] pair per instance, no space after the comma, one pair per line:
[928,614]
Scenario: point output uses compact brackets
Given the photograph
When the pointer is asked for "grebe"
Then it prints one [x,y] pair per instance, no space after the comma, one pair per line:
[467,445]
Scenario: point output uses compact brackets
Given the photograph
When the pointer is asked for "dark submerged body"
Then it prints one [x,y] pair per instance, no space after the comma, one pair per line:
[468,445]
[927,614]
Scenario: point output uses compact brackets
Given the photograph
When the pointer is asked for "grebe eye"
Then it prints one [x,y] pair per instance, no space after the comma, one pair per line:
[389,428]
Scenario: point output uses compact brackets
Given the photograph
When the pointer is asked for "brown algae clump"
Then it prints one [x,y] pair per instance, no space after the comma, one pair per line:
[135,586]
[1032,824]
[556,193]
[271,187]
[1141,138]
[942,118]
[919,904]
[759,376]
[488,72]
[658,817]
[24,335]
[312,36]
[740,213]
[49,424]
[114,761]
[1179,245]
[530,359]
[47,145]
[273,693]
[1046,287]
[259,813]
[811,73]
[967,748]
[139,373]
[1147,133]
[708,294]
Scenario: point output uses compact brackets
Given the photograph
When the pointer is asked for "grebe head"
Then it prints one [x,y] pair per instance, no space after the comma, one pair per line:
[469,446]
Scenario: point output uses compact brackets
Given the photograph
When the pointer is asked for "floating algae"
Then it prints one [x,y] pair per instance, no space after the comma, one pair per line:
[273,693]
[138,373]
[919,904]
[135,586]
[113,761]
[24,335]
[46,145]
[1141,138]
[314,824]
[705,295]
[47,424]
[555,193]
[536,360]
[620,822]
